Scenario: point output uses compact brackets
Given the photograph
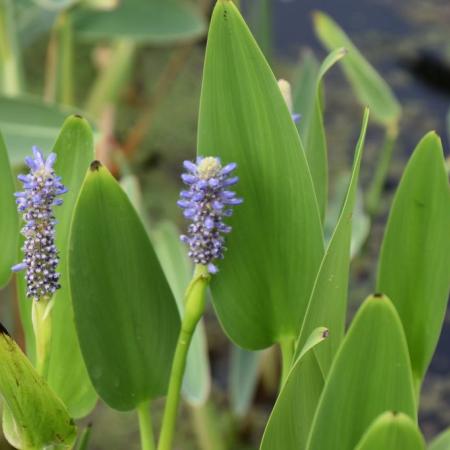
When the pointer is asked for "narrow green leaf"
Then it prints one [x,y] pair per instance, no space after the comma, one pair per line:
[414,268]
[33,415]
[371,374]
[392,431]
[178,271]
[26,121]
[291,417]
[371,89]
[314,137]
[328,303]
[149,22]
[9,218]
[441,442]
[276,245]
[243,378]
[125,313]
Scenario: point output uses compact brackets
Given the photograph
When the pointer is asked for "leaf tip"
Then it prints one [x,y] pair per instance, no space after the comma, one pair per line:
[3,330]
[95,166]
[378,295]
[325,333]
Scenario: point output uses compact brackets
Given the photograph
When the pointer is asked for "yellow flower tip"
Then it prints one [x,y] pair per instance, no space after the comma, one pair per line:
[208,168]
[286,92]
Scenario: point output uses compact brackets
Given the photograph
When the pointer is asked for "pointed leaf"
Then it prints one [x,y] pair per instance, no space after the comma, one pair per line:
[291,417]
[392,431]
[9,219]
[34,417]
[371,89]
[276,245]
[314,138]
[441,442]
[414,269]
[125,313]
[371,373]
[328,303]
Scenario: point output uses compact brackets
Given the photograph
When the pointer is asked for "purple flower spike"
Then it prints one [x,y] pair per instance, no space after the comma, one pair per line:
[36,202]
[203,204]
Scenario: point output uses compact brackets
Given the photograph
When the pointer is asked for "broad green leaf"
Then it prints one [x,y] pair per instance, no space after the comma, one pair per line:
[67,374]
[178,271]
[291,417]
[314,138]
[441,442]
[328,303]
[9,218]
[146,22]
[371,374]
[276,244]
[34,417]
[414,268]
[26,121]
[243,378]
[371,89]
[126,317]
[392,431]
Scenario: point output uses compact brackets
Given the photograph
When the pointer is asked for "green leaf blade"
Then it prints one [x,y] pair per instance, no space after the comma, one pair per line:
[347,405]
[392,431]
[370,88]
[9,218]
[125,313]
[243,118]
[414,268]
[328,303]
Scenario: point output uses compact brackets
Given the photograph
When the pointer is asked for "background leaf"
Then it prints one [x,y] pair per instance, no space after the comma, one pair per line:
[347,405]
[276,245]
[441,442]
[392,431]
[414,268]
[34,417]
[290,421]
[26,121]
[328,303]
[370,88]
[149,22]
[125,313]
[9,218]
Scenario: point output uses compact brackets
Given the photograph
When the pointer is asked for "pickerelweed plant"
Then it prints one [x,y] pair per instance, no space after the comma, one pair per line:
[118,303]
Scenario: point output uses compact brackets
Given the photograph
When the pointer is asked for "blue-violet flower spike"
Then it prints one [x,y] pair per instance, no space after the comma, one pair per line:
[36,202]
[206,202]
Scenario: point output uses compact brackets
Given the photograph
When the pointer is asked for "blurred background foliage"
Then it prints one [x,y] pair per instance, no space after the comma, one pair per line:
[133,68]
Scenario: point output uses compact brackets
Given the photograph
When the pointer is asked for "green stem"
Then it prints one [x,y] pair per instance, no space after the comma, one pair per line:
[194,308]
[381,171]
[145,426]
[206,427]
[10,65]
[59,82]
[109,82]
[83,441]
[287,347]
[42,326]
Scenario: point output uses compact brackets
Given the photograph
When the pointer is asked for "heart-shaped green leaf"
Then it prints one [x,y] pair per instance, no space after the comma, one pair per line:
[276,244]
[142,21]
[371,89]
[290,421]
[9,219]
[328,303]
[414,269]
[125,313]
[392,431]
[370,374]
[34,417]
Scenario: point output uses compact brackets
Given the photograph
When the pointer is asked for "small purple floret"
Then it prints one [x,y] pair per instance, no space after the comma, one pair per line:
[36,202]
[205,205]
